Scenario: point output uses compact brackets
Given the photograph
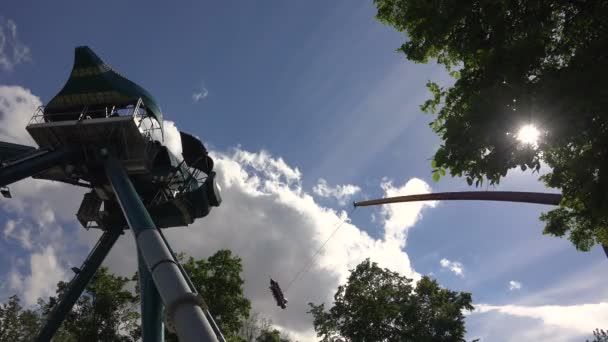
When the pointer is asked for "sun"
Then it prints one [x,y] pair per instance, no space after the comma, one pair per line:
[528,135]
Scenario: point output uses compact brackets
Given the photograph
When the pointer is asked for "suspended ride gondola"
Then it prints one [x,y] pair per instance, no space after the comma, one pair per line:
[277,293]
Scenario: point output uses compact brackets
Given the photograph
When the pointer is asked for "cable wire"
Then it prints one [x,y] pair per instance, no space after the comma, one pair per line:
[307,267]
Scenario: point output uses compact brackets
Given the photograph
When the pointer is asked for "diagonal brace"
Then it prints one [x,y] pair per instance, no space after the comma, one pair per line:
[31,165]
[80,281]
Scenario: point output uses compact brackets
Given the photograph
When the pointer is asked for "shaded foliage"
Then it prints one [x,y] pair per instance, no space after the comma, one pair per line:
[256,328]
[380,305]
[17,324]
[218,280]
[106,311]
[253,326]
[271,336]
[519,62]
[599,335]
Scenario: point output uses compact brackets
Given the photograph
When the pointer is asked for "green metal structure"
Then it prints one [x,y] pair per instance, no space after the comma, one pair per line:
[94,84]
[105,133]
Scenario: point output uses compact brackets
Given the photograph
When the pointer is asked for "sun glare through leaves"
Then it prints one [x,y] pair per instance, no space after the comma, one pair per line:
[528,135]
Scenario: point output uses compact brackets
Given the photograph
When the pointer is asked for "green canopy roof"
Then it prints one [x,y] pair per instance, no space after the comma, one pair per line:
[95,84]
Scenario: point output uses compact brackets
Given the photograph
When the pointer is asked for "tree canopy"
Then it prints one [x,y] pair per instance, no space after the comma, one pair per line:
[218,280]
[599,335]
[517,63]
[271,336]
[253,326]
[17,324]
[106,311]
[108,308]
[380,305]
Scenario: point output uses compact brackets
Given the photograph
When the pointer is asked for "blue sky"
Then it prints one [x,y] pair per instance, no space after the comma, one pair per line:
[318,85]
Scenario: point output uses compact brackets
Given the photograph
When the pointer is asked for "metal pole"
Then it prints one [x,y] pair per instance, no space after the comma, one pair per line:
[77,285]
[30,166]
[503,196]
[152,327]
[183,311]
[216,329]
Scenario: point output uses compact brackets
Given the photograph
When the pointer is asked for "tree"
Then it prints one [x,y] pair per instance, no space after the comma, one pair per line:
[600,335]
[106,311]
[256,328]
[271,336]
[253,326]
[17,324]
[516,63]
[380,305]
[218,280]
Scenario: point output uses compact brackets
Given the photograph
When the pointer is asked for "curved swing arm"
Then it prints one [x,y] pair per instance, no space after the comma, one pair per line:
[502,196]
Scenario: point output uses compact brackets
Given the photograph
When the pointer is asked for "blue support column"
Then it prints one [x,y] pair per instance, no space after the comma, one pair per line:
[152,327]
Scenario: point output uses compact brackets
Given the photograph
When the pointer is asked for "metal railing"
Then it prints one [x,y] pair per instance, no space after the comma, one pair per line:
[147,124]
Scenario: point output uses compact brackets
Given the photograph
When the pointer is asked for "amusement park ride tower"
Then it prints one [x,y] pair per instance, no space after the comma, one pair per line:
[105,133]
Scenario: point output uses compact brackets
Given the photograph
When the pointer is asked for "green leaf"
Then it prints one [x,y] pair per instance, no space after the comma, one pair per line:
[436,176]
[530,66]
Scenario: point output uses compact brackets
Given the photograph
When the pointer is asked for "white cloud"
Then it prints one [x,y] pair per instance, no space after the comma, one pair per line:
[169,136]
[12,51]
[47,235]
[340,192]
[201,94]
[276,227]
[45,209]
[578,319]
[17,105]
[550,314]
[582,285]
[41,282]
[454,266]
[173,140]
[263,165]
[20,232]
[399,217]
[9,228]
[15,281]
[498,327]
[514,285]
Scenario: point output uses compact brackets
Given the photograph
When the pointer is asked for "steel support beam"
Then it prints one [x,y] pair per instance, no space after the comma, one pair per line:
[78,284]
[152,327]
[30,166]
[183,307]
[216,329]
